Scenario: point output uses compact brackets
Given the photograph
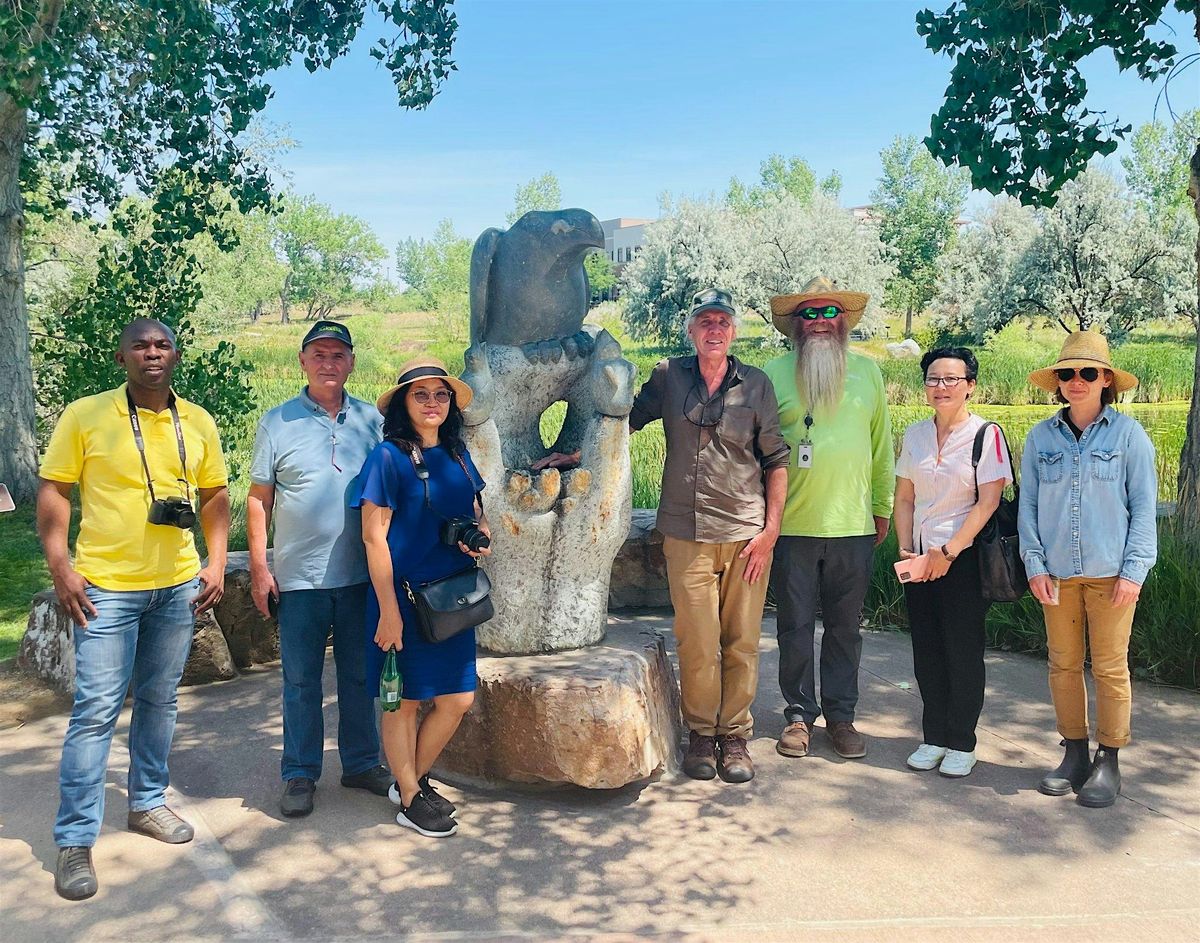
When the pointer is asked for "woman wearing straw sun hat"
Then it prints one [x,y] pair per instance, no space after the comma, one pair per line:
[402,525]
[1088,538]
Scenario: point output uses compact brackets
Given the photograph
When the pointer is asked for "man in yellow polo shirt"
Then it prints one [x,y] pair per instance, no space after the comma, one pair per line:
[142,457]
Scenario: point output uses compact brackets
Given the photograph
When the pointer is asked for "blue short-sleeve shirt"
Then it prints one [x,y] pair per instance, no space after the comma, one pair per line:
[313,461]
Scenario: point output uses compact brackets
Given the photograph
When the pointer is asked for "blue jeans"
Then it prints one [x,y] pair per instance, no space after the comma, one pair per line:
[306,617]
[141,639]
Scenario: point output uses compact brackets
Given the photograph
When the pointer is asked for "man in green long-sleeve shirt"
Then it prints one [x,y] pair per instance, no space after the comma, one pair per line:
[833,413]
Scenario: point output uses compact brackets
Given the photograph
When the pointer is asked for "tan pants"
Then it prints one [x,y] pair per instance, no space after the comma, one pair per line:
[718,619]
[1085,607]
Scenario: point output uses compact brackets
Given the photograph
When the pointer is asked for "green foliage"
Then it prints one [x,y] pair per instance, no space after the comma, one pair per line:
[241,280]
[601,276]
[1156,168]
[540,193]
[780,176]
[140,272]
[920,203]
[330,256]
[1014,113]
[439,270]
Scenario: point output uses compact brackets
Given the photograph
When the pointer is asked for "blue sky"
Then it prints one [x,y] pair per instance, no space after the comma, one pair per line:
[627,99]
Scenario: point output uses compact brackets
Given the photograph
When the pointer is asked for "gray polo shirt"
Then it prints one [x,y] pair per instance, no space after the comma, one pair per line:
[313,462]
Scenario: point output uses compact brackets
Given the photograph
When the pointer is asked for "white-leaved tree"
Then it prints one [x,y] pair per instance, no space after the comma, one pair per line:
[1093,260]
[791,242]
[753,253]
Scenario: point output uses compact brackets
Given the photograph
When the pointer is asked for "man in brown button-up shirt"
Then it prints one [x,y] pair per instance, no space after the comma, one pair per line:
[723,492]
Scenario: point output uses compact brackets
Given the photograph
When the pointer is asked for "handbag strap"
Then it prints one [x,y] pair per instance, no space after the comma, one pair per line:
[977,453]
[422,471]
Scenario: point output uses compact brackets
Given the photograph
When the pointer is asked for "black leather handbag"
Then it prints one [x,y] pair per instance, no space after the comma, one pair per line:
[453,603]
[1001,572]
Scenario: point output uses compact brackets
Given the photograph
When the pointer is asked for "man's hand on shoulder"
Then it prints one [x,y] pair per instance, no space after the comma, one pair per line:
[71,589]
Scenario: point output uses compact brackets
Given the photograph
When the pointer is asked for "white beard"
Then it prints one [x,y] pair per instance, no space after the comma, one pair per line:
[821,372]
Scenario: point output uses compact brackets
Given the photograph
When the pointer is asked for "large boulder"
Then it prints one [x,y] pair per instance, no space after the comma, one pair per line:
[639,573]
[253,639]
[599,717]
[48,647]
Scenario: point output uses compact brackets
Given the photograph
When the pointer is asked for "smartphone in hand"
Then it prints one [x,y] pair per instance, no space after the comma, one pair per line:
[912,570]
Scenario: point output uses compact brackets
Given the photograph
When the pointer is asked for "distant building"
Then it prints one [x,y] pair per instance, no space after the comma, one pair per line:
[623,239]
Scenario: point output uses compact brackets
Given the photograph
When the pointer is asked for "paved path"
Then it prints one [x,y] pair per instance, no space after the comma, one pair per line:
[819,848]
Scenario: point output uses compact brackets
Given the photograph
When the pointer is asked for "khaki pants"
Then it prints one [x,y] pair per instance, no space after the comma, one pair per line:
[718,619]
[1085,607]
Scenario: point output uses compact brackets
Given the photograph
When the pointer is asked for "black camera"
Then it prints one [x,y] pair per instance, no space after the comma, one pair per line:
[466,530]
[174,512]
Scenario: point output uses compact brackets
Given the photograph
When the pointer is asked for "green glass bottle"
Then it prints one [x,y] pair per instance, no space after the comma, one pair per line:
[389,682]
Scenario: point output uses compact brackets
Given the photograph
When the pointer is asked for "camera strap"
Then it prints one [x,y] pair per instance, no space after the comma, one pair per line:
[422,470]
[136,425]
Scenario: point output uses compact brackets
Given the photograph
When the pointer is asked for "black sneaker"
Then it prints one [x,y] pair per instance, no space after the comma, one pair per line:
[74,875]
[377,779]
[422,817]
[440,802]
[297,799]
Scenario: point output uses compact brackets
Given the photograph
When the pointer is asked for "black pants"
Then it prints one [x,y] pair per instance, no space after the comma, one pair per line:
[946,620]
[836,572]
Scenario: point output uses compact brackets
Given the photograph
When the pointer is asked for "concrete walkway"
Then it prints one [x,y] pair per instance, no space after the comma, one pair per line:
[818,848]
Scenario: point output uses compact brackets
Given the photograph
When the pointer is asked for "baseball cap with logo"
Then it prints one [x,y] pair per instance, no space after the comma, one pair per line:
[331,329]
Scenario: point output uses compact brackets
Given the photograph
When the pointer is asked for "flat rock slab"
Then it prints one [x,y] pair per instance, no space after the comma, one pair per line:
[600,717]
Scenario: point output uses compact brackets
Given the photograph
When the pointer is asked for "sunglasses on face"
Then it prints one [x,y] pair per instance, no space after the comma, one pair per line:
[428,396]
[1087,374]
[811,314]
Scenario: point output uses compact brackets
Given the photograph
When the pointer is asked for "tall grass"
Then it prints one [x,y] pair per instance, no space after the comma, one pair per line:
[1165,643]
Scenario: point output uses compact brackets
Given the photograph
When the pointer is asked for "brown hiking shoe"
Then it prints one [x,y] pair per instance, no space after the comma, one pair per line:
[735,765]
[794,740]
[701,759]
[847,742]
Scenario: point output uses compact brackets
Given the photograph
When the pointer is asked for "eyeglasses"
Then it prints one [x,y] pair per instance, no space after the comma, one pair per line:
[1087,374]
[811,314]
[426,396]
[948,382]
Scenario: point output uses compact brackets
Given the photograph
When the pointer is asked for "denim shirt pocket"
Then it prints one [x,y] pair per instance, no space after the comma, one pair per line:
[1106,464]
[1050,467]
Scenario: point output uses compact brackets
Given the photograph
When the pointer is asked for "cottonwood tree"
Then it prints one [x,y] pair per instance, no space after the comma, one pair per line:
[327,256]
[540,193]
[780,176]
[1014,113]
[790,242]
[919,202]
[600,273]
[439,271]
[100,96]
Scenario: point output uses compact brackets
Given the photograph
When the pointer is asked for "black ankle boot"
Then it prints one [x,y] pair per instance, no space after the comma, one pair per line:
[1072,772]
[1104,784]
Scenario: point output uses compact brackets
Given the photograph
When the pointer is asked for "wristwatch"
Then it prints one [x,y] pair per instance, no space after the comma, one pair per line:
[948,555]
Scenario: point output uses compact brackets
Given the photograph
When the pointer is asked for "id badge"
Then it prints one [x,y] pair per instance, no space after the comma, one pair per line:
[804,455]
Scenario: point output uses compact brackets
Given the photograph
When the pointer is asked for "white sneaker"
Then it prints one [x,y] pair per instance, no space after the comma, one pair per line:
[957,763]
[925,757]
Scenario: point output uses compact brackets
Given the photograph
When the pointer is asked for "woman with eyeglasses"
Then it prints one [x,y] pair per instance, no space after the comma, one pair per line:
[402,526]
[1087,526]
[938,512]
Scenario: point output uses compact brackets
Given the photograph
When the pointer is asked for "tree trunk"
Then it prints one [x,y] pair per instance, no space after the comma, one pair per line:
[908,321]
[1188,514]
[284,306]
[18,442]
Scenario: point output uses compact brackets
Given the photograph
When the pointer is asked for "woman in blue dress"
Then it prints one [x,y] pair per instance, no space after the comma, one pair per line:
[422,416]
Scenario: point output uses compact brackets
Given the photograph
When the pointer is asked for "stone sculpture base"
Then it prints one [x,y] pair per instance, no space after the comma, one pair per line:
[599,717]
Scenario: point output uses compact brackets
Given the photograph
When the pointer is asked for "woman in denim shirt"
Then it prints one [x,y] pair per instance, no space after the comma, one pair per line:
[1088,538]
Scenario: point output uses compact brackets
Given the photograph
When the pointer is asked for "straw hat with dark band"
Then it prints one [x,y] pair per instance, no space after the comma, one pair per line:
[1083,349]
[419,368]
[821,288]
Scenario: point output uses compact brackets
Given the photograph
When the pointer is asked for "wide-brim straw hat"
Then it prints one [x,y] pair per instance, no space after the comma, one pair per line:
[1083,349]
[852,303]
[420,368]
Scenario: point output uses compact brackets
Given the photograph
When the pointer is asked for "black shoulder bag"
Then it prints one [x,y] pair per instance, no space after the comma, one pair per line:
[1001,572]
[453,603]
